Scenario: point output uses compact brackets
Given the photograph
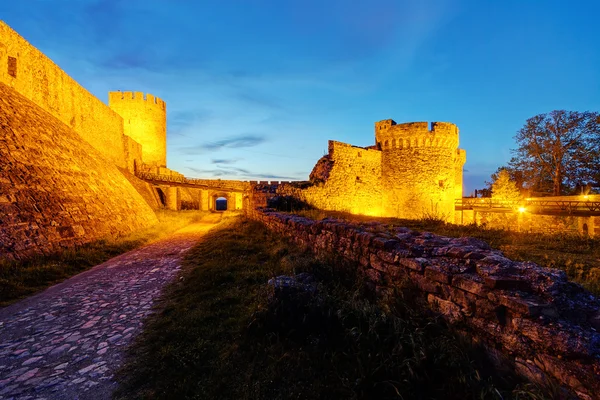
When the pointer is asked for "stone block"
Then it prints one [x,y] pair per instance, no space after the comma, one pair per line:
[471,283]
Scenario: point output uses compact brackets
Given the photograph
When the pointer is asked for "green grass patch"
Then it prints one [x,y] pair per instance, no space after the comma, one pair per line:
[19,279]
[220,334]
[578,255]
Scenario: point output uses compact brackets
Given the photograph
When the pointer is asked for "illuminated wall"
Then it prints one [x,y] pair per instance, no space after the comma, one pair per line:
[56,190]
[418,168]
[145,121]
[413,171]
[352,184]
[35,76]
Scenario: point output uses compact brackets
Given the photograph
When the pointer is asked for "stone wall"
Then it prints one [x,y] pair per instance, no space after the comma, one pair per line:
[348,179]
[145,121]
[413,171]
[28,71]
[530,317]
[419,168]
[56,190]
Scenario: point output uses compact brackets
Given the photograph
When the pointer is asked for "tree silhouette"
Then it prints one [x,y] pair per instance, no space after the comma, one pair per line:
[557,151]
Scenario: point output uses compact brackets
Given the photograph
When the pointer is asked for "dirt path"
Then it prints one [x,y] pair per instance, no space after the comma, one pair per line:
[67,342]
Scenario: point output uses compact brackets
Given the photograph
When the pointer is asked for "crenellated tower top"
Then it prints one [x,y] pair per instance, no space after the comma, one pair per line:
[116,97]
[389,135]
[145,121]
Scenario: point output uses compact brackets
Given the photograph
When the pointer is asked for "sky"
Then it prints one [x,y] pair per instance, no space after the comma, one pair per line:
[256,88]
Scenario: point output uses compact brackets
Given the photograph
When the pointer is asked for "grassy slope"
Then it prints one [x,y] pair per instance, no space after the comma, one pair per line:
[217,335]
[579,256]
[20,279]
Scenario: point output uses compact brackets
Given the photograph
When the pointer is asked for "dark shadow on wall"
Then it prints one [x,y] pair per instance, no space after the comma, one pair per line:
[162,197]
[288,204]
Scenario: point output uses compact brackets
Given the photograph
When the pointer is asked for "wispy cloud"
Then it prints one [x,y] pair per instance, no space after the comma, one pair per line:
[235,142]
[179,121]
[226,161]
[239,173]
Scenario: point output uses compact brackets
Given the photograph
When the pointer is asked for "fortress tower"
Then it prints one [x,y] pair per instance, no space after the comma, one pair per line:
[145,121]
[421,168]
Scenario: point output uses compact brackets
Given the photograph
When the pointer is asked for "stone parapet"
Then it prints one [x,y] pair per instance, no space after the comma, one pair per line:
[533,318]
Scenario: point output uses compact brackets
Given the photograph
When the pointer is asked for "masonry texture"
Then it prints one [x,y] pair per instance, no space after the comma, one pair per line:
[530,317]
[56,190]
[145,121]
[413,171]
[43,82]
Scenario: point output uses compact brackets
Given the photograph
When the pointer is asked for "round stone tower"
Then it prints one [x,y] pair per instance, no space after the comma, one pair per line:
[145,121]
[421,168]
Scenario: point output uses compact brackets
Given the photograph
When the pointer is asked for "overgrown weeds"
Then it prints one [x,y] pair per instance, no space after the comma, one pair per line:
[578,255]
[221,333]
[19,279]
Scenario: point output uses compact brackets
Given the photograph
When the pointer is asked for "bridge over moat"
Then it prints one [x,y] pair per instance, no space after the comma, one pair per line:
[177,192]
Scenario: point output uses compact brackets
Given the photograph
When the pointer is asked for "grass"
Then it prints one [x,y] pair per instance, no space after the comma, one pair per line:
[19,279]
[220,333]
[577,255]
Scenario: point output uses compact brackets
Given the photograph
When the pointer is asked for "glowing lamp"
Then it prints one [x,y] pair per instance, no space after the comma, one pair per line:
[522,209]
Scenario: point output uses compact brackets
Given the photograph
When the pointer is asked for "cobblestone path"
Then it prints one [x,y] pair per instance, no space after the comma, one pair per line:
[67,342]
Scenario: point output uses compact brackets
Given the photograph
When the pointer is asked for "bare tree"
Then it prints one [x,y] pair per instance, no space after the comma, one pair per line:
[558,150]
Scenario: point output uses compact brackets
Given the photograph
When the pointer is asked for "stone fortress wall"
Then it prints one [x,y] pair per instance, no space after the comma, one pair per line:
[56,190]
[145,121]
[412,171]
[419,168]
[528,317]
[29,72]
[64,156]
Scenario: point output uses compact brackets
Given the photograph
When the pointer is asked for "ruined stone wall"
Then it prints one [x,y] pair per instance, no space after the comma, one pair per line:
[145,189]
[419,168]
[56,190]
[132,154]
[145,121]
[35,76]
[527,316]
[352,182]
[459,163]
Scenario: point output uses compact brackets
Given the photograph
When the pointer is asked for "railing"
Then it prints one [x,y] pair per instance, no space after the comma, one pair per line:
[537,206]
[148,176]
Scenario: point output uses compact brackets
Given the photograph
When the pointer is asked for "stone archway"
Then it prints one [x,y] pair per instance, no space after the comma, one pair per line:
[221,201]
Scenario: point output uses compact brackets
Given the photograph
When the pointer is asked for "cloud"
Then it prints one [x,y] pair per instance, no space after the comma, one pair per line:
[272,177]
[224,160]
[209,172]
[235,142]
[240,173]
[261,100]
[178,121]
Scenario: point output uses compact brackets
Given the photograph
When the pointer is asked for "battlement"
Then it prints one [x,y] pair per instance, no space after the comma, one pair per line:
[117,97]
[389,135]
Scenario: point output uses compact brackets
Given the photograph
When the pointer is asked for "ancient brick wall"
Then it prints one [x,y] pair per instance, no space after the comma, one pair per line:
[145,121]
[419,168]
[529,317]
[352,181]
[56,190]
[413,171]
[35,76]
[145,189]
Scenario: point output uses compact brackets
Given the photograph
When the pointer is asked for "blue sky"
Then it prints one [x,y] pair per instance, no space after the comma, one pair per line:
[256,88]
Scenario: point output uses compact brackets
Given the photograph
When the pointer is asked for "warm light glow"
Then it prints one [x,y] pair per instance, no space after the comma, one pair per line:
[522,209]
[586,196]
